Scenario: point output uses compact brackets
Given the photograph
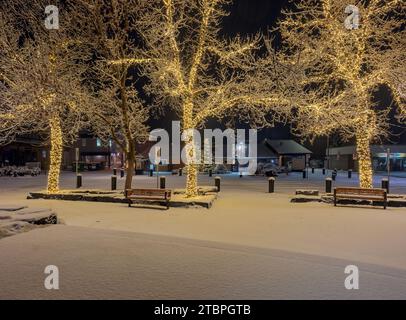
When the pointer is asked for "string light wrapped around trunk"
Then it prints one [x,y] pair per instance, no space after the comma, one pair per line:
[364,161]
[55,154]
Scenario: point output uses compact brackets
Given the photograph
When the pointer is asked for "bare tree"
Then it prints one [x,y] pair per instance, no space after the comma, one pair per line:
[108,27]
[344,54]
[199,74]
[41,77]
[125,124]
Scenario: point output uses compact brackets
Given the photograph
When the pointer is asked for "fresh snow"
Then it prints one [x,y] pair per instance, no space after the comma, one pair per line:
[105,264]
[251,229]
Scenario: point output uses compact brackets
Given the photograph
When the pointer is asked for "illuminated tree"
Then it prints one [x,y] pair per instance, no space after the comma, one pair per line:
[342,64]
[117,112]
[198,73]
[40,81]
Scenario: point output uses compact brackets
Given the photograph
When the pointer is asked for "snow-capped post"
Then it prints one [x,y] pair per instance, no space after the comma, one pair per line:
[78,181]
[162,182]
[114,182]
[334,175]
[271,185]
[385,184]
[329,184]
[217,182]
[349,173]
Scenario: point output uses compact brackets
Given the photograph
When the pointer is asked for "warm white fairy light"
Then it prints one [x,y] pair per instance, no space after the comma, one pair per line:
[42,79]
[55,154]
[200,75]
[342,68]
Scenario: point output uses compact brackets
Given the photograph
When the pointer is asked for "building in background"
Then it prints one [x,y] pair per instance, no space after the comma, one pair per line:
[344,158]
[96,155]
[93,155]
[290,153]
[25,150]
[283,153]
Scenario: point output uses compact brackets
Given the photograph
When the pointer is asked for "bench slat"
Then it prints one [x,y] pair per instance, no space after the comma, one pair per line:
[360,193]
[350,196]
[148,195]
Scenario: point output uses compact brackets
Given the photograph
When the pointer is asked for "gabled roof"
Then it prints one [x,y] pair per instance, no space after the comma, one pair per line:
[287,147]
[264,151]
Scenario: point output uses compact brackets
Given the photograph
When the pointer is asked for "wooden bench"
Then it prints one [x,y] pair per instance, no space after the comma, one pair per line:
[148,195]
[361,194]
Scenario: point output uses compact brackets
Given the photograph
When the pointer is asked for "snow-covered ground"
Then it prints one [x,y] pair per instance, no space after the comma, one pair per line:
[253,232]
[106,264]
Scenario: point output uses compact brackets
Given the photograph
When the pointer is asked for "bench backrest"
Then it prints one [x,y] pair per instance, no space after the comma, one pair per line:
[148,192]
[360,191]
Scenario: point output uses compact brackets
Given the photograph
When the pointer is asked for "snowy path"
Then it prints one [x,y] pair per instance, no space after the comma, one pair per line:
[95,263]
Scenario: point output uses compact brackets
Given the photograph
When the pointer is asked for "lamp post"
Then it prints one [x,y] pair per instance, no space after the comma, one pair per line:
[77,160]
[158,161]
[388,163]
[328,153]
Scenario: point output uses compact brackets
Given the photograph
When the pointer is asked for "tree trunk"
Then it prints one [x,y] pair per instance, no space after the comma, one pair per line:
[364,158]
[55,154]
[191,181]
[192,168]
[130,142]
[130,159]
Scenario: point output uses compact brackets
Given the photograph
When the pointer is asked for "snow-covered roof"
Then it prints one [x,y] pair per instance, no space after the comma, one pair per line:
[287,147]
[263,151]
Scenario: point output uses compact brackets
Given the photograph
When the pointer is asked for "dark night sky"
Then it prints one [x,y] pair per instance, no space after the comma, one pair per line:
[248,17]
